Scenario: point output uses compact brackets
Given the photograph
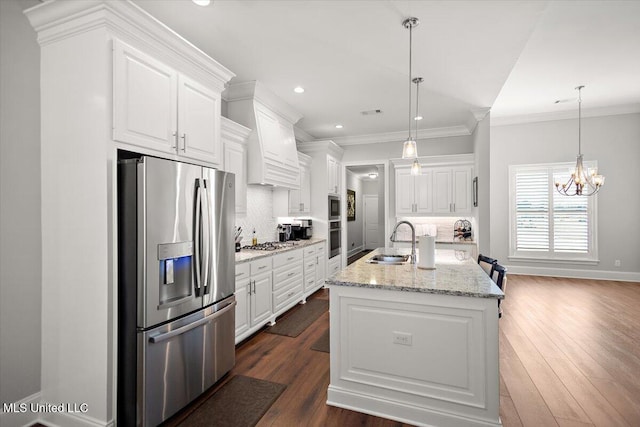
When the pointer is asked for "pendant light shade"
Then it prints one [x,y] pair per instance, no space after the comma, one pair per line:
[410,149]
[583,182]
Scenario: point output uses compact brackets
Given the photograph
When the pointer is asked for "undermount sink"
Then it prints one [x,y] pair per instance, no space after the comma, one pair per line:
[389,259]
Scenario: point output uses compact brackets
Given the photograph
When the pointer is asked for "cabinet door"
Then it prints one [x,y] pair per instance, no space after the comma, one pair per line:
[423,192]
[300,200]
[198,122]
[461,197]
[261,298]
[332,175]
[442,190]
[242,306]
[235,162]
[405,192]
[145,100]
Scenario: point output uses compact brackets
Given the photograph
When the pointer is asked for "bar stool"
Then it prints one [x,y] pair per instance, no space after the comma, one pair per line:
[487,264]
[499,276]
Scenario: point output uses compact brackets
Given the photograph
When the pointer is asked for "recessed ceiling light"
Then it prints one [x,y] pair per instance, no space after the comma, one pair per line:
[202,2]
[417,118]
[298,89]
[339,126]
[373,175]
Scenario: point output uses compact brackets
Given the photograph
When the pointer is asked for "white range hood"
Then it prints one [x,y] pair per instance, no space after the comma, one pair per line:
[272,154]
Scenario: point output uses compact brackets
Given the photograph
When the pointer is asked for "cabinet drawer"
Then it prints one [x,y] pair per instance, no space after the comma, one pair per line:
[287,258]
[320,247]
[284,276]
[309,282]
[310,265]
[283,298]
[243,271]
[310,251]
[260,265]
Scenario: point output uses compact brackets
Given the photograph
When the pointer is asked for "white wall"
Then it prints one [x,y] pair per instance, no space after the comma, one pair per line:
[355,239]
[481,148]
[393,150]
[614,141]
[20,206]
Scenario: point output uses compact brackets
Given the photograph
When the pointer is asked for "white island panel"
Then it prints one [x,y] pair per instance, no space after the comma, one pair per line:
[420,357]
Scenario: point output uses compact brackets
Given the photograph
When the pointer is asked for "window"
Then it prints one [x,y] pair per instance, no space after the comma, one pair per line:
[546,225]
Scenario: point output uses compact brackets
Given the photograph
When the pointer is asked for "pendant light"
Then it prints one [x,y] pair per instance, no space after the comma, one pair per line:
[409,149]
[582,182]
[415,167]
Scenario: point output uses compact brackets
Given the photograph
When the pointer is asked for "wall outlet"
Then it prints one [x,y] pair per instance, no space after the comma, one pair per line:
[403,338]
[617,263]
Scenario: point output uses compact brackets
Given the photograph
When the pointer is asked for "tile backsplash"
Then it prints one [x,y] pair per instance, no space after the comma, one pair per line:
[426,225]
[259,215]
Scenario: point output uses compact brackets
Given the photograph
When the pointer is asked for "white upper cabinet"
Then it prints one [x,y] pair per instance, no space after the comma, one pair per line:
[198,121]
[146,100]
[413,193]
[234,141]
[160,109]
[300,200]
[438,190]
[333,173]
[452,189]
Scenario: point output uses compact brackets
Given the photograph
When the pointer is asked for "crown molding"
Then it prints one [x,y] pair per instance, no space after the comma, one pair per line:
[400,136]
[232,131]
[326,146]
[565,115]
[301,135]
[254,90]
[58,20]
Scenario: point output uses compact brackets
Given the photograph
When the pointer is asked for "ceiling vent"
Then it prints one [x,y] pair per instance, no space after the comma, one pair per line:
[370,112]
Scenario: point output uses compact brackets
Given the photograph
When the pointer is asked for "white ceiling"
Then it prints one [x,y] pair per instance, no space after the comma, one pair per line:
[514,57]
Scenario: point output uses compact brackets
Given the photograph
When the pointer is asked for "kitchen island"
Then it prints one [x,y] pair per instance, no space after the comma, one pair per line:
[417,346]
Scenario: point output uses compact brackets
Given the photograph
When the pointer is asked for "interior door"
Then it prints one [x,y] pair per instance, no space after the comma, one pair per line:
[371,222]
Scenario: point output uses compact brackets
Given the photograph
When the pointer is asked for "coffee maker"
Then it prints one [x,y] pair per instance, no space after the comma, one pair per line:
[306,229]
[284,232]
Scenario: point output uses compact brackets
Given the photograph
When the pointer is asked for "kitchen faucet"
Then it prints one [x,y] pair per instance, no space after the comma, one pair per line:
[413,238]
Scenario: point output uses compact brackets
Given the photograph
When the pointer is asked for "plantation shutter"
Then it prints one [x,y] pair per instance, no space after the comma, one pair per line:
[570,221]
[532,210]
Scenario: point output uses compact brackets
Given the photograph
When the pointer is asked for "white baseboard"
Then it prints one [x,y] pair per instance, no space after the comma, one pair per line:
[400,411]
[20,418]
[355,251]
[622,276]
[68,419]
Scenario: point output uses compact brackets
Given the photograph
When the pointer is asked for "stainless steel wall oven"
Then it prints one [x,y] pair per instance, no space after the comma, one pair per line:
[335,238]
[334,208]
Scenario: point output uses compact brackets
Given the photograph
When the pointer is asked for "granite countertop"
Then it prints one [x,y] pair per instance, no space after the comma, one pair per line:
[246,255]
[450,277]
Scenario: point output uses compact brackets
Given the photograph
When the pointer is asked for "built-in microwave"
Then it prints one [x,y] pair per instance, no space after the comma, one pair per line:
[334,208]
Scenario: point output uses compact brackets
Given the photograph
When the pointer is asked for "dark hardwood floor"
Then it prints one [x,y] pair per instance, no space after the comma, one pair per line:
[569,356]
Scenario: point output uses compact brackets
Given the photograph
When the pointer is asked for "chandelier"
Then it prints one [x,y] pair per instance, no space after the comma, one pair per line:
[409,148]
[583,182]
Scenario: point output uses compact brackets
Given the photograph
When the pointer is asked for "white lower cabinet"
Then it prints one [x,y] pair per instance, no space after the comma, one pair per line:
[287,280]
[334,265]
[253,296]
[269,286]
[314,268]
[321,265]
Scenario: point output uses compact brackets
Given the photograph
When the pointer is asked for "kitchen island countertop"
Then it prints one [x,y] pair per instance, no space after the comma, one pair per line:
[450,277]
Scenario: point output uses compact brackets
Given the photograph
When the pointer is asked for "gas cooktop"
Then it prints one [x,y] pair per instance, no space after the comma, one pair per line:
[270,246]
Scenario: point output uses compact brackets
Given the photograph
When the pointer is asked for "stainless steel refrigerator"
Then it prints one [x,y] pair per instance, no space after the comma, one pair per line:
[176,308]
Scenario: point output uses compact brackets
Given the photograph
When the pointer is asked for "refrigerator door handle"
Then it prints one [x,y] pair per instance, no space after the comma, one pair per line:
[197,237]
[206,236]
[190,326]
